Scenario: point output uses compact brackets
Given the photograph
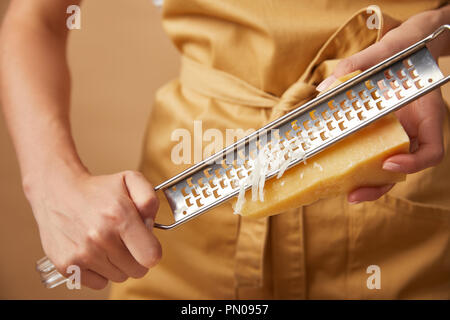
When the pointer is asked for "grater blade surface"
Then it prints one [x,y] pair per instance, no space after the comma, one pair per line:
[312,127]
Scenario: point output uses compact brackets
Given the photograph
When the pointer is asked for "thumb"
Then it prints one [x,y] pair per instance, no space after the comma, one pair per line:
[143,196]
[392,42]
[363,60]
[357,62]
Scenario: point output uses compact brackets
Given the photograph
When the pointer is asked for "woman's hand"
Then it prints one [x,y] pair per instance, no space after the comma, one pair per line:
[100,223]
[94,222]
[423,118]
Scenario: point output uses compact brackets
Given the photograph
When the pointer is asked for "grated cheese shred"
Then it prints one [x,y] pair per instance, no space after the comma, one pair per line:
[270,158]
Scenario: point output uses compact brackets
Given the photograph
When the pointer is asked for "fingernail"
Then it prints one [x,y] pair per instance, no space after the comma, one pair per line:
[149,223]
[326,83]
[391,166]
[354,202]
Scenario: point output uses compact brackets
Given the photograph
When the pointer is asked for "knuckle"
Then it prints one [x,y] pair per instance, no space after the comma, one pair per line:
[94,236]
[84,256]
[132,173]
[151,203]
[119,217]
[62,262]
[115,213]
[390,46]
[62,265]
[346,66]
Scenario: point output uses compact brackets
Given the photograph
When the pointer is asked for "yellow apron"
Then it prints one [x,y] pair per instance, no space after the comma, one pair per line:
[245,63]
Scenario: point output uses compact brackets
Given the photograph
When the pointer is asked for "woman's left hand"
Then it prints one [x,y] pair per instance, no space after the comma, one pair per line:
[421,119]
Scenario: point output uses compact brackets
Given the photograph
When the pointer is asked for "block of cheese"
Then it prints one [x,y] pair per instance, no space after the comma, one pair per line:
[355,161]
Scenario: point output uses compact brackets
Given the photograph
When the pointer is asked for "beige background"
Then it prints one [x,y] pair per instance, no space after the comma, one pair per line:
[118,59]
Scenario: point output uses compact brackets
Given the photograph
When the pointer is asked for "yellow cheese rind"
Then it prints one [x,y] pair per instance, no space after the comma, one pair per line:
[353,162]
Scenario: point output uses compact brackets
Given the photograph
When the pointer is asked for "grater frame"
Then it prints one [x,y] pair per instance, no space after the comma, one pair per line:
[412,64]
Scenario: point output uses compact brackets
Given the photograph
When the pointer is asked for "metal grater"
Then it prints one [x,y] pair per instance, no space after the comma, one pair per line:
[323,121]
[320,123]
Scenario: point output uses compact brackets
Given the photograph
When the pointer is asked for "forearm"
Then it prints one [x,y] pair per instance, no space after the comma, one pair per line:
[35,86]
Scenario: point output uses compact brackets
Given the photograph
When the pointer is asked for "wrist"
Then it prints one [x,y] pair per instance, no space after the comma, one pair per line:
[51,171]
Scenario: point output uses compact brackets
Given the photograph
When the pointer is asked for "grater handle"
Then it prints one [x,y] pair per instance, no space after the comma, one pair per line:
[50,277]
[164,226]
[435,34]
[159,225]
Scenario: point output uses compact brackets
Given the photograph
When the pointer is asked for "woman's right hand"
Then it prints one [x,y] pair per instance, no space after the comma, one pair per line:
[94,222]
[100,223]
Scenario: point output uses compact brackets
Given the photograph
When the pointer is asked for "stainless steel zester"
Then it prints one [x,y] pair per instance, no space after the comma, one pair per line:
[314,126]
